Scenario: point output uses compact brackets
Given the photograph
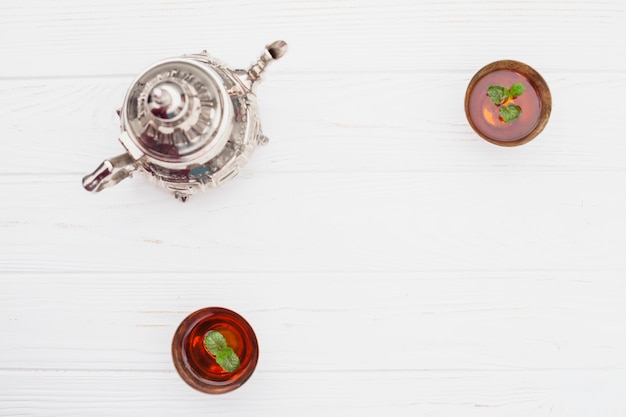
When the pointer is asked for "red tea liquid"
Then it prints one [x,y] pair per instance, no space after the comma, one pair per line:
[197,366]
[485,115]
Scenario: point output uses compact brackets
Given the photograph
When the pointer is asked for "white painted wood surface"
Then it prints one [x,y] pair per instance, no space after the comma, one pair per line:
[390,261]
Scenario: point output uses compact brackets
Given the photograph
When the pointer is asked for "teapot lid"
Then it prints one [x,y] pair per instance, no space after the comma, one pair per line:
[177,111]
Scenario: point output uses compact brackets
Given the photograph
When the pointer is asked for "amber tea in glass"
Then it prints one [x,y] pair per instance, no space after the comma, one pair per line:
[484,115]
[197,366]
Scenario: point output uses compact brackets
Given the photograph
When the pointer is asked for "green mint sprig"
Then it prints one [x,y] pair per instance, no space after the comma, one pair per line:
[500,95]
[225,356]
[510,112]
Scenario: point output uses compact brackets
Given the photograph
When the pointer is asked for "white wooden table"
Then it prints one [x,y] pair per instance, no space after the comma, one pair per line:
[390,261]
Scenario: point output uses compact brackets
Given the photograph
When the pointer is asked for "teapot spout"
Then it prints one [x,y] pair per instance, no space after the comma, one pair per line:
[272,52]
[109,173]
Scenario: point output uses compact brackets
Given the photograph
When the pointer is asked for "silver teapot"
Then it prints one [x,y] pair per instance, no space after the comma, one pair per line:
[188,123]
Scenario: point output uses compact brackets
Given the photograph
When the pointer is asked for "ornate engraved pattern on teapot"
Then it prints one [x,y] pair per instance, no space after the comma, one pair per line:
[188,123]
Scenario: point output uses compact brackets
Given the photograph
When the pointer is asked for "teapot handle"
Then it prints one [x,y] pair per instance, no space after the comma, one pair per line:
[110,172]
